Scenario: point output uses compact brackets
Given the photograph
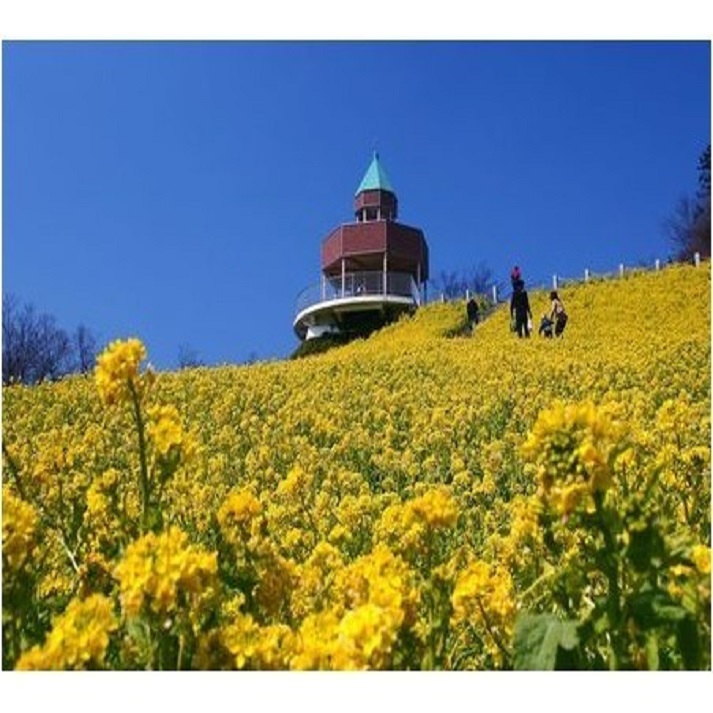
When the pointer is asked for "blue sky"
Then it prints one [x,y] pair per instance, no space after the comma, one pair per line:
[179,191]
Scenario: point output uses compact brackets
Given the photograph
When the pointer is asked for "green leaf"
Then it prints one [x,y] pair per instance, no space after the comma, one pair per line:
[653,608]
[569,638]
[538,638]
[689,643]
[669,612]
[646,548]
[652,652]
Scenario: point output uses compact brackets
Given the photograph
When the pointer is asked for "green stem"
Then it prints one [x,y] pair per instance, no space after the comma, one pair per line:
[14,470]
[431,610]
[540,580]
[13,625]
[180,651]
[432,632]
[68,552]
[611,571]
[143,472]
[498,641]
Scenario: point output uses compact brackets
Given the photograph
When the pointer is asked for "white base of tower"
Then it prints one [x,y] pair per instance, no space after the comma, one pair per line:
[326,317]
[320,330]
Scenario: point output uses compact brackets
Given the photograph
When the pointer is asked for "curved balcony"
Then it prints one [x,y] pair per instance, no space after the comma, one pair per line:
[322,307]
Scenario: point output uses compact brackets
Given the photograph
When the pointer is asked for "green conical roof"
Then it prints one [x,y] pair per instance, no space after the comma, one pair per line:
[375,178]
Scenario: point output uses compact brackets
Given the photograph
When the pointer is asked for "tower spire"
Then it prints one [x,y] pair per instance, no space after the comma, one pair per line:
[375,178]
[375,199]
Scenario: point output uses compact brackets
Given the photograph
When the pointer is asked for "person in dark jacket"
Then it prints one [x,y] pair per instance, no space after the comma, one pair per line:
[473,313]
[520,310]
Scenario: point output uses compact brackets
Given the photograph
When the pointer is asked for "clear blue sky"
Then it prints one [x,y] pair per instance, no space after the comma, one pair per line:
[179,191]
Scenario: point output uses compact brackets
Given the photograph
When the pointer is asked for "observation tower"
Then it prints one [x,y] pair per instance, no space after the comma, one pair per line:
[373,269]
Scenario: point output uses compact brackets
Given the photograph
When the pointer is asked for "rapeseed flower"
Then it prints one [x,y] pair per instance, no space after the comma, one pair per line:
[117,369]
[19,530]
[159,571]
[572,447]
[164,428]
[237,514]
[484,596]
[701,556]
[79,638]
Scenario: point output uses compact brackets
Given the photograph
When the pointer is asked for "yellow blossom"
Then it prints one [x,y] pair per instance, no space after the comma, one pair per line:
[571,445]
[156,569]
[164,428]
[118,369]
[701,556]
[484,596]
[19,527]
[79,638]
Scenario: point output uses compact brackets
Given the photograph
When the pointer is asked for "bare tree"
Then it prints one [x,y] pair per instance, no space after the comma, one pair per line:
[480,279]
[34,347]
[449,284]
[704,174]
[16,340]
[188,357]
[477,279]
[53,350]
[85,348]
[689,228]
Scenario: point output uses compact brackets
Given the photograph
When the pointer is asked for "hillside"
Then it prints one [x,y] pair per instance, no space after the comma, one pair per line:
[411,500]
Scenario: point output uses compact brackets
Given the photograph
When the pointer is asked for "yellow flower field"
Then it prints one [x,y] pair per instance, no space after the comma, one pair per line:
[410,501]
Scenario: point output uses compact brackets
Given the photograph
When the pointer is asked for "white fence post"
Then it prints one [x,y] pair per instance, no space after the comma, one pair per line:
[697,259]
[467,295]
[621,269]
[495,294]
[443,296]
[586,274]
[554,282]
[658,264]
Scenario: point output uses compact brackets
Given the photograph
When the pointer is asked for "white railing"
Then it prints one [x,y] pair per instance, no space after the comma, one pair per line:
[359,284]
[498,294]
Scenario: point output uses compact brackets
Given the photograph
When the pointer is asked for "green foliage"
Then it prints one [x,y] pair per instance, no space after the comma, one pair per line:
[540,638]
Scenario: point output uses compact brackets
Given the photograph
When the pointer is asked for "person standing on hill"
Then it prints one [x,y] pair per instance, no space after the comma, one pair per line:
[473,313]
[520,311]
[558,314]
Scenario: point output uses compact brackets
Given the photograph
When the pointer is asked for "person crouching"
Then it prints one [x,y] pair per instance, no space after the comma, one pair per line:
[546,327]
